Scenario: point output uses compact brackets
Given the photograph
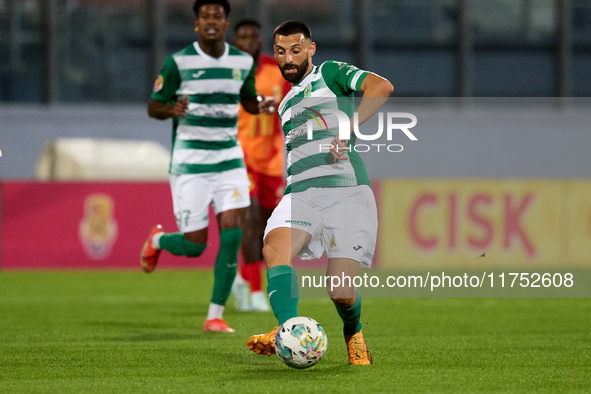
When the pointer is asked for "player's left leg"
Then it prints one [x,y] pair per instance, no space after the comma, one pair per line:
[229,202]
[347,300]
[350,242]
[225,268]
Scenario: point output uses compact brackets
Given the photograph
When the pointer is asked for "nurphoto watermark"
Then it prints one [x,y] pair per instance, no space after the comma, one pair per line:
[345,131]
[370,125]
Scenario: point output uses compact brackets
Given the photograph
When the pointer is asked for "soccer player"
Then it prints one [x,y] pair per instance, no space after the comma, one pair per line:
[328,204]
[261,139]
[200,87]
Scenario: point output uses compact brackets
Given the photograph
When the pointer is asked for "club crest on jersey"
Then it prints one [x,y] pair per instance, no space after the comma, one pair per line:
[159,83]
[308,90]
[237,74]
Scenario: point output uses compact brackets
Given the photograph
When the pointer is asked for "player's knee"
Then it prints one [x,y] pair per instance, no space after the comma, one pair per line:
[343,303]
[342,297]
[271,254]
[196,237]
[193,249]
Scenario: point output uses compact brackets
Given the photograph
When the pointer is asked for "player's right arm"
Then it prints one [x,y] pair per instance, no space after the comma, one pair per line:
[162,111]
[164,102]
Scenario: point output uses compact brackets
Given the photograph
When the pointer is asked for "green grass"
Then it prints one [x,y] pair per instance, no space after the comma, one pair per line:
[116,332]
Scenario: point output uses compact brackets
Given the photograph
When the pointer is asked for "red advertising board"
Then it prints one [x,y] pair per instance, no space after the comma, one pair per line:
[88,225]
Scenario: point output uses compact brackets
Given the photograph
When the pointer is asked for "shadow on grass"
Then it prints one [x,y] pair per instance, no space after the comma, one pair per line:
[266,367]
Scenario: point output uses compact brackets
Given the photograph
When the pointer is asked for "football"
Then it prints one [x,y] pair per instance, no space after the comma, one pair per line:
[300,342]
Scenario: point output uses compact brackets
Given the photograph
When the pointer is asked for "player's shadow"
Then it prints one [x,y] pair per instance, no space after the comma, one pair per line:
[260,365]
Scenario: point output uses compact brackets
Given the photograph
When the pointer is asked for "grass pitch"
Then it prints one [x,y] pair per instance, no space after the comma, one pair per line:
[117,332]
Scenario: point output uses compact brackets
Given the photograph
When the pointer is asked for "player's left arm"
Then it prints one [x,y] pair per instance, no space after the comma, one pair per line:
[348,78]
[251,101]
[376,91]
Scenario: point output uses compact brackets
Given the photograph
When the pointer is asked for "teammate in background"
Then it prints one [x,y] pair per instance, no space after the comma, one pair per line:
[261,139]
[200,88]
[328,204]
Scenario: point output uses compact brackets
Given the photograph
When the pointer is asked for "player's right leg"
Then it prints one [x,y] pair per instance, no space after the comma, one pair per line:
[281,246]
[347,300]
[265,194]
[191,195]
[270,190]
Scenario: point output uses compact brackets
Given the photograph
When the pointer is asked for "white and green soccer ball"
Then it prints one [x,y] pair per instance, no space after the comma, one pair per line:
[300,342]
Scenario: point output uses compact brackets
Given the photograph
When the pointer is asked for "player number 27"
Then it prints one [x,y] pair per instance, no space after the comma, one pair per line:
[179,218]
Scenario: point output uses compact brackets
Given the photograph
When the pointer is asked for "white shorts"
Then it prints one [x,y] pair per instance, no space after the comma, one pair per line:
[343,221]
[192,194]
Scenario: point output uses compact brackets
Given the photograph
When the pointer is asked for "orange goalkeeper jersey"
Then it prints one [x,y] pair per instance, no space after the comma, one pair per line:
[261,136]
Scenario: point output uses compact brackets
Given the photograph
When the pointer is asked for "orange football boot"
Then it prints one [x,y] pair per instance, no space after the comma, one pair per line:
[217,325]
[263,343]
[358,352]
[149,255]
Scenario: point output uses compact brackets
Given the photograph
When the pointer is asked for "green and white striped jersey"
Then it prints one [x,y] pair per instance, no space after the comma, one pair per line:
[329,86]
[205,140]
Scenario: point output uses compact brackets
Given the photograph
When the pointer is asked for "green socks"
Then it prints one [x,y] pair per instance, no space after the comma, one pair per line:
[225,265]
[283,292]
[177,244]
[351,317]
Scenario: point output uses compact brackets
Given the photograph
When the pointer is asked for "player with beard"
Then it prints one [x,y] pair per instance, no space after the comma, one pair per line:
[328,206]
[261,139]
[200,88]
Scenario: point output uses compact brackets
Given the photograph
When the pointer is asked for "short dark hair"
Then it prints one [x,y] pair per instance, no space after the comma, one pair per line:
[247,22]
[288,28]
[223,3]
